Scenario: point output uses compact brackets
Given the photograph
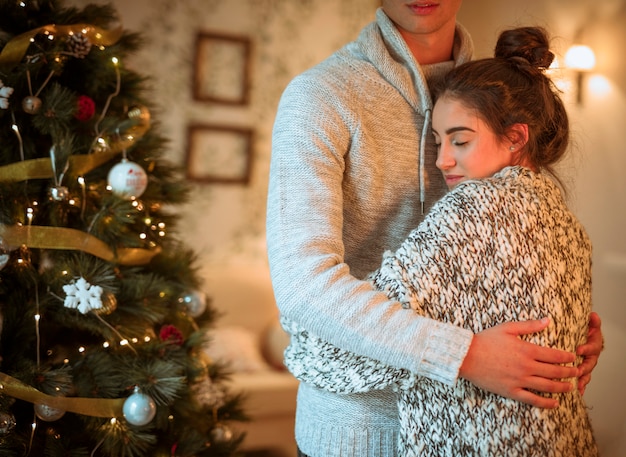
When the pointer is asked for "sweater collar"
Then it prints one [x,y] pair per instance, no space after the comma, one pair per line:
[385,48]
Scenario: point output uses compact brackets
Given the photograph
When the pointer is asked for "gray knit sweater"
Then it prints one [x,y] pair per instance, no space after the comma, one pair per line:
[344,186]
[491,251]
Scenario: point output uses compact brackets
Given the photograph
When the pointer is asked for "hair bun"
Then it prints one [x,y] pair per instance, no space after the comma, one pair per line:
[525,46]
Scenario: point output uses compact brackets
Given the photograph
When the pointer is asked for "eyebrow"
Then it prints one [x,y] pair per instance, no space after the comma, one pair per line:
[456,129]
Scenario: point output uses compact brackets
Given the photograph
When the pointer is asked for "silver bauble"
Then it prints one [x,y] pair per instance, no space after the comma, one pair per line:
[139,408]
[7,422]
[48,413]
[59,193]
[31,104]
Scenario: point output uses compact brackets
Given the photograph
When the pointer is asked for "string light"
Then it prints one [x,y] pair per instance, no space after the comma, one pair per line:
[16,129]
[81,183]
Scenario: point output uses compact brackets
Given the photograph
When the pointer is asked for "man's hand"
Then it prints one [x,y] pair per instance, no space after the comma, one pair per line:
[500,362]
[590,351]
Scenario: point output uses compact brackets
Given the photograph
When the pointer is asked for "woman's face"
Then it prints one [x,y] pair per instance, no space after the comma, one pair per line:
[467,147]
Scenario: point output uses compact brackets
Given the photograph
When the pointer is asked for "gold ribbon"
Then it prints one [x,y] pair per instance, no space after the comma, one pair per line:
[42,168]
[14,51]
[95,407]
[44,237]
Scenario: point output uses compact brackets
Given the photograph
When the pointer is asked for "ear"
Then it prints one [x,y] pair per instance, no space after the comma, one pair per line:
[518,136]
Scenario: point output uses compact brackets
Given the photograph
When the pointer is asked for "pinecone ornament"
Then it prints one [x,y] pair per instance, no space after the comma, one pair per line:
[79,45]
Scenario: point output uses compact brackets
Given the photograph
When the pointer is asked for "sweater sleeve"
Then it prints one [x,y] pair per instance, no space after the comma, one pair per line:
[419,275]
[312,283]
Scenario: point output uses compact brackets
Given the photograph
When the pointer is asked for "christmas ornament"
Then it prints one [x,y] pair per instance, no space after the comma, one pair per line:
[5,253]
[78,45]
[171,333]
[194,303]
[221,433]
[7,422]
[48,413]
[127,179]
[31,104]
[109,304]
[5,93]
[208,394]
[139,408]
[82,296]
[85,108]
[59,193]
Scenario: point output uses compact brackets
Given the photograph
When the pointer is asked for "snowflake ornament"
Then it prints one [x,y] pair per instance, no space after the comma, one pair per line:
[5,93]
[82,296]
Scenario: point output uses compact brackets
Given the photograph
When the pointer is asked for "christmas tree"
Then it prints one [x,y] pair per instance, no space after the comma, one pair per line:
[102,312]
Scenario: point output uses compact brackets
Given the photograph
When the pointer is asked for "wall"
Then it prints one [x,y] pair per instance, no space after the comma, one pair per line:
[226,223]
[595,171]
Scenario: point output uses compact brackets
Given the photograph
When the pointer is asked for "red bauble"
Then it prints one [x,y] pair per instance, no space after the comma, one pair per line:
[85,108]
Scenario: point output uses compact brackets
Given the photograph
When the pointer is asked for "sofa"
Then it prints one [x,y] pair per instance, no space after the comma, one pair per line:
[246,335]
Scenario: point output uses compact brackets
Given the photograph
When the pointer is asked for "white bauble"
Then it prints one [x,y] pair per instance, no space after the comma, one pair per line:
[127,179]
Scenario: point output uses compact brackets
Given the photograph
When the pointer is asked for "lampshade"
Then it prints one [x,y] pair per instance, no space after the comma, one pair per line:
[580,57]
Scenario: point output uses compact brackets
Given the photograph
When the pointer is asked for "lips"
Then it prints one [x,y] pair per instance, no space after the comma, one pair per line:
[453,180]
[423,8]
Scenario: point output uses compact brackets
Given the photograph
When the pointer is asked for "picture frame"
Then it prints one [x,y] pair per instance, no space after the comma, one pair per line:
[219,154]
[221,71]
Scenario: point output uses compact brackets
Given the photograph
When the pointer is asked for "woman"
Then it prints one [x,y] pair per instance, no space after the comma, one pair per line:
[500,246]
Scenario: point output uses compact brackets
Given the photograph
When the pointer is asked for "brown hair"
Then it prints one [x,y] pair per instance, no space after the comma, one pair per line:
[512,88]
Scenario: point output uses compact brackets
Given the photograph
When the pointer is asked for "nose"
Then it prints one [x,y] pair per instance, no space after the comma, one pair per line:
[445,158]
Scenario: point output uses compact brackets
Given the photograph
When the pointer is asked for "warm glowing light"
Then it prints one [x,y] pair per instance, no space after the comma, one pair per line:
[143,236]
[114,60]
[81,349]
[123,342]
[599,85]
[37,317]
[105,344]
[113,421]
[580,57]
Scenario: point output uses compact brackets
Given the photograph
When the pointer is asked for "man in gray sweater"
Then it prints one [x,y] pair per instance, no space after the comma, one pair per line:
[352,173]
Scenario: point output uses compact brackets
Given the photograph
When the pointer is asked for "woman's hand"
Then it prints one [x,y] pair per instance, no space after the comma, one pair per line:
[502,363]
[590,351]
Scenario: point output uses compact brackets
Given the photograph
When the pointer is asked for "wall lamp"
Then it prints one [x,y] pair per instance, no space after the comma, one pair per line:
[581,59]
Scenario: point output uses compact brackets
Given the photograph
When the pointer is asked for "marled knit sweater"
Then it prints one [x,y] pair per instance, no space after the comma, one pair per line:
[491,251]
[345,183]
